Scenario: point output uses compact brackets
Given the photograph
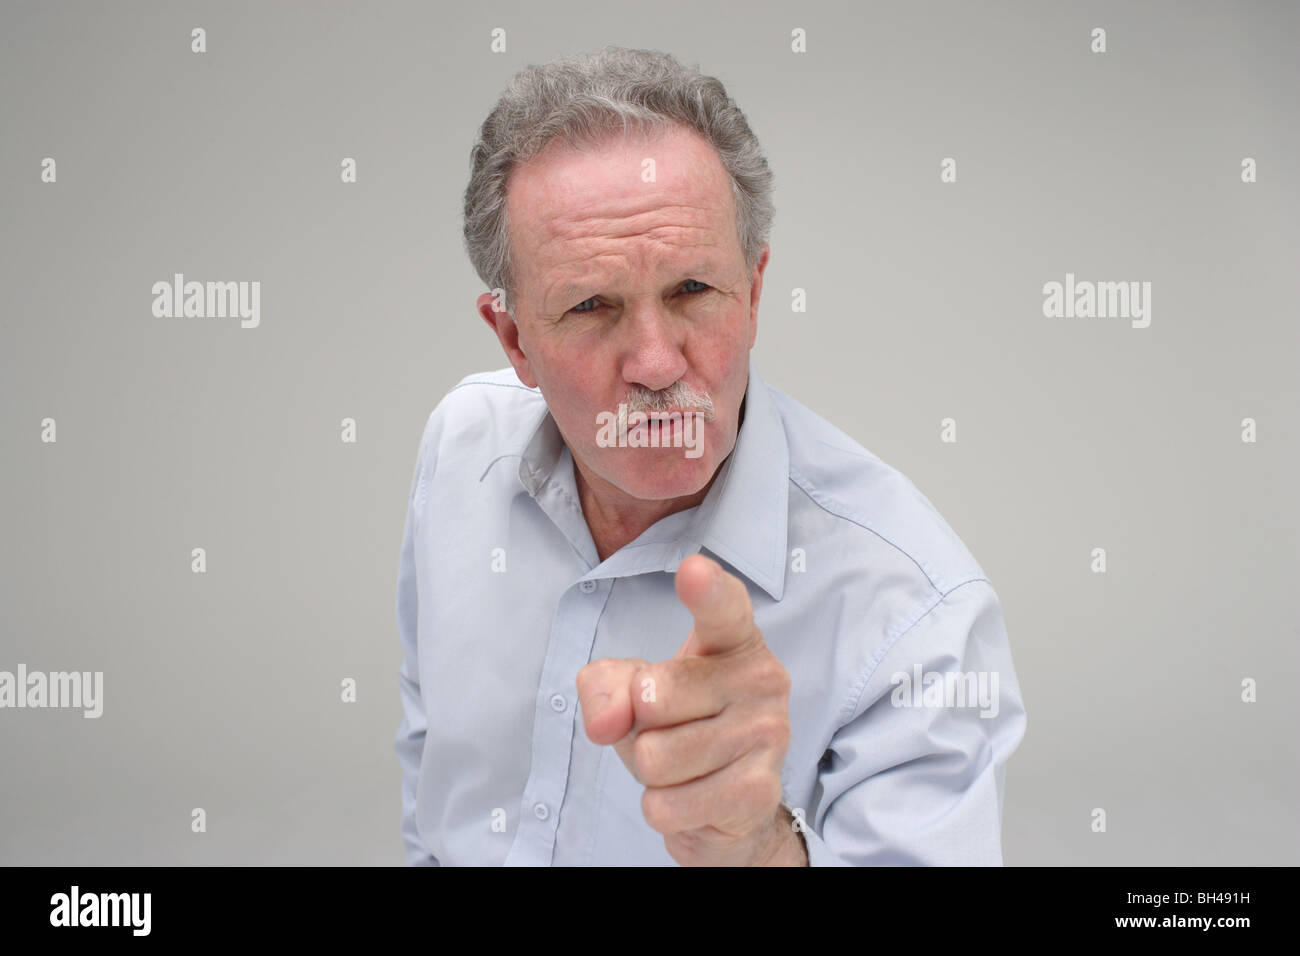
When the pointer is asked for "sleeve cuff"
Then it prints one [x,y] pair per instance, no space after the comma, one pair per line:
[819,854]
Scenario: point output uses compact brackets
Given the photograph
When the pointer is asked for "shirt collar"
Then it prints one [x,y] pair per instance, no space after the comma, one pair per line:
[742,519]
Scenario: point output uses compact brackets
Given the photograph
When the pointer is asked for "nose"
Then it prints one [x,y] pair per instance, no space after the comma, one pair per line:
[652,350]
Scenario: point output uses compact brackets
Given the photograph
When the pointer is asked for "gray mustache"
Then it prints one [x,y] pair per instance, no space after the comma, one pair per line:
[679,397]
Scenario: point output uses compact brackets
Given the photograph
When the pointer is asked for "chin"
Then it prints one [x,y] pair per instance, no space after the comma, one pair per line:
[660,474]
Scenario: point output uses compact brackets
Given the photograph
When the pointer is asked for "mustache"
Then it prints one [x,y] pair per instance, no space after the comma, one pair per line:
[680,396]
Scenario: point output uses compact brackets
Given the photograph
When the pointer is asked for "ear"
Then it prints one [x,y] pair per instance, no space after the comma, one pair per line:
[756,290]
[507,331]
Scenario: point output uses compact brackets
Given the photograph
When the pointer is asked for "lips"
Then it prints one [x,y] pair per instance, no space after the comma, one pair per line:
[669,413]
[659,423]
[666,422]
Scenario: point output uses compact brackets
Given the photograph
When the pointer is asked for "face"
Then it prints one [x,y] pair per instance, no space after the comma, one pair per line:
[631,292]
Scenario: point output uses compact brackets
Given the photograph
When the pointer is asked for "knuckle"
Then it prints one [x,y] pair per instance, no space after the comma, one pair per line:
[648,686]
[772,729]
[760,782]
[596,669]
[603,671]
[643,670]
[718,839]
[772,679]
[655,811]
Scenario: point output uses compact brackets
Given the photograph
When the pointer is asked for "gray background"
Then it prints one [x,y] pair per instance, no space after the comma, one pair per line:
[222,689]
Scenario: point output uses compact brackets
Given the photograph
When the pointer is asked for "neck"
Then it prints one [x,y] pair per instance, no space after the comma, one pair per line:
[615,518]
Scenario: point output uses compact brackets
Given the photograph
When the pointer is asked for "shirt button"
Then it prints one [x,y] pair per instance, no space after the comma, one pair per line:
[587,586]
[540,811]
[557,703]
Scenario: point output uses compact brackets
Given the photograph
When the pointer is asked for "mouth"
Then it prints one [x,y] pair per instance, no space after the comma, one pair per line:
[669,415]
[674,428]
[658,432]
[674,414]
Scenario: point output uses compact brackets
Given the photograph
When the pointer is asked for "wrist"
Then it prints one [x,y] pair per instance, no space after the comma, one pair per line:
[785,845]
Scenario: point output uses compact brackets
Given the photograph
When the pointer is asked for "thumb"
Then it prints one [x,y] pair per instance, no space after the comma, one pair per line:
[605,696]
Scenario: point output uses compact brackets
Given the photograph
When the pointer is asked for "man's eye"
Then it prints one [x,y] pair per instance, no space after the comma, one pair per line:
[686,287]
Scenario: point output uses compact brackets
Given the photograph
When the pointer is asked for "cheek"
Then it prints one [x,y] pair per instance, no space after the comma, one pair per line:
[575,403]
[567,375]
[722,349]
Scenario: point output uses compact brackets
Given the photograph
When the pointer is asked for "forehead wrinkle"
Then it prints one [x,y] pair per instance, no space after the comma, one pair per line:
[585,248]
[684,257]
[617,226]
[587,243]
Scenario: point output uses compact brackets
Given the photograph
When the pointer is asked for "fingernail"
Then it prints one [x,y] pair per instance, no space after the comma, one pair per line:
[717,579]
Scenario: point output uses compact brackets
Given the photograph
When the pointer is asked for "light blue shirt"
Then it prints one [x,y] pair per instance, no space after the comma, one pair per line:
[883,619]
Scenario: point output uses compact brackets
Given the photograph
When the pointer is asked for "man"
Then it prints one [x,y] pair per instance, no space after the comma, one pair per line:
[781,653]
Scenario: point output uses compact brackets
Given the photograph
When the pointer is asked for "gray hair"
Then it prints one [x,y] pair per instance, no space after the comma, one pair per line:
[585,99]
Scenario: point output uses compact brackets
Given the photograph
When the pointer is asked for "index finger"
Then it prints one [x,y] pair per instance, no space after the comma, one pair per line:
[719,602]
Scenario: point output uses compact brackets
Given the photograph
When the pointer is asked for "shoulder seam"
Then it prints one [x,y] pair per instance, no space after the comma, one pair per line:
[497,384]
[839,510]
[860,687]
[422,492]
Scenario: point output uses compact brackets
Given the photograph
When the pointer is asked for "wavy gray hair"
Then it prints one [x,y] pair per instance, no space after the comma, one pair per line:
[585,99]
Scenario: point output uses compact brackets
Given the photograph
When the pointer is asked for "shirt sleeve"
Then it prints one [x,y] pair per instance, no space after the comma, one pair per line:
[409,744]
[916,777]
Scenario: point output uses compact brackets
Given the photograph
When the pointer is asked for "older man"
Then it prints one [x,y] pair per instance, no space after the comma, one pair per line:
[781,653]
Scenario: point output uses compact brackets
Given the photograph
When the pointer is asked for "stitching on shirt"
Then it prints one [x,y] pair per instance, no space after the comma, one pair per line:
[531,391]
[509,454]
[838,509]
[422,488]
[534,391]
[859,687]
